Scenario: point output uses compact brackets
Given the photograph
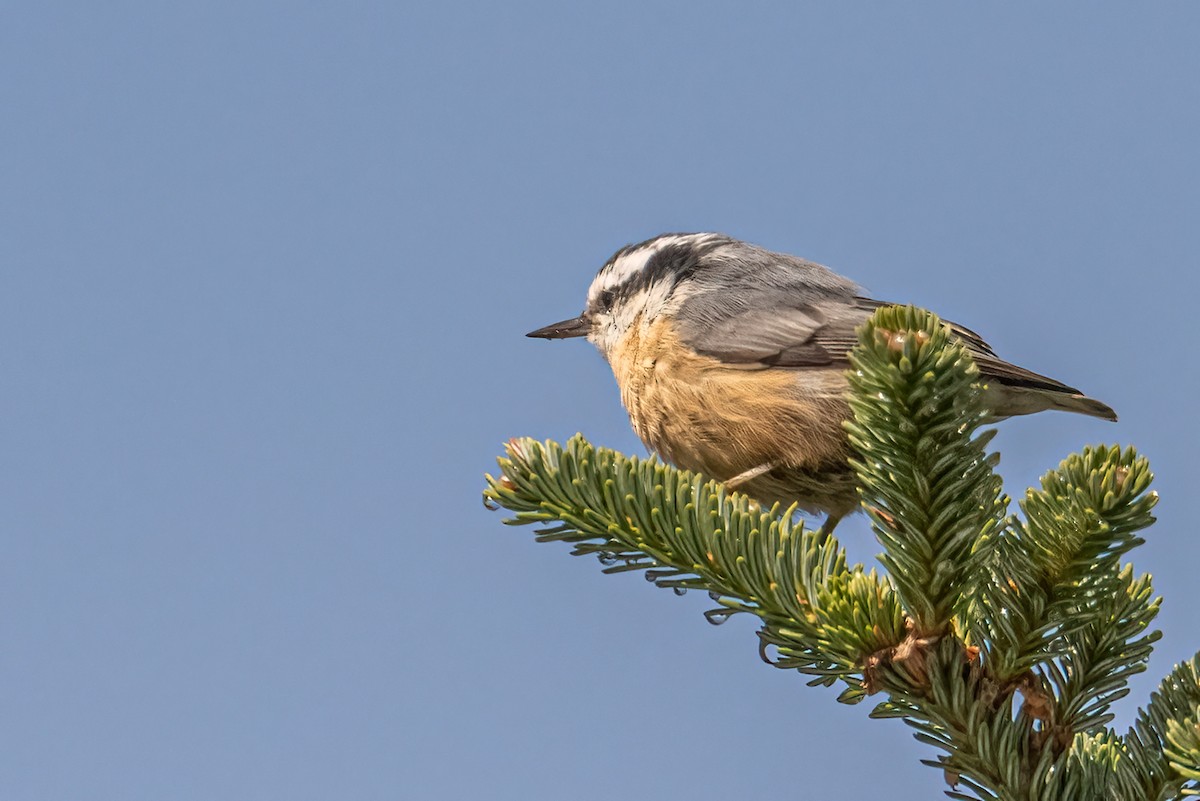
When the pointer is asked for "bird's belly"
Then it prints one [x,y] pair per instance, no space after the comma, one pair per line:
[702,415]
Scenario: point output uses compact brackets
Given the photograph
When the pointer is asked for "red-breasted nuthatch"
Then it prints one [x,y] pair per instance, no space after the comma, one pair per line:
[731,361]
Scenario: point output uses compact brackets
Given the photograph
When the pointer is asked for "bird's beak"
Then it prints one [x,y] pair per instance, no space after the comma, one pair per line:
[575,327]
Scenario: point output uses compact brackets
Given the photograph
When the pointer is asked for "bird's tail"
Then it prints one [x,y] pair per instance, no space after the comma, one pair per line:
[1011,401]
[1083,405]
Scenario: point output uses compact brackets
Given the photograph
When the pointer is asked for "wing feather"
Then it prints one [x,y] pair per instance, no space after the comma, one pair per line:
[823,332]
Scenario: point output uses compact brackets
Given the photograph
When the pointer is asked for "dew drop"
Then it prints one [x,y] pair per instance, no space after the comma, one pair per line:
[716,596]
[607,559]
[654,575]
[680,590]
[489,504]
[717,616]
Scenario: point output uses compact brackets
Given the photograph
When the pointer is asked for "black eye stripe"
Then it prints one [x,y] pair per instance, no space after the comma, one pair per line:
[669,264]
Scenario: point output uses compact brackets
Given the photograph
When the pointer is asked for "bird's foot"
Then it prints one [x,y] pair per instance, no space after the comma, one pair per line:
[827,527]
[748,475]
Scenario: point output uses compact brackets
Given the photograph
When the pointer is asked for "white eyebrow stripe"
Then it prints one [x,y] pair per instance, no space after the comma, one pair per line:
[630,264]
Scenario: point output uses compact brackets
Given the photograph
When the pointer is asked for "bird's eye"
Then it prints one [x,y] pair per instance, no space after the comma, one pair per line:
[606,299]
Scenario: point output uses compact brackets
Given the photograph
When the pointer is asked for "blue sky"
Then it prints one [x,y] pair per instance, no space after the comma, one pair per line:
[267,268]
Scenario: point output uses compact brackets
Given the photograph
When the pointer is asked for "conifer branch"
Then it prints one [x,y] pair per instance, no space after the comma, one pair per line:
[927,481]
[688,533]
[1164,757]
[1002,641]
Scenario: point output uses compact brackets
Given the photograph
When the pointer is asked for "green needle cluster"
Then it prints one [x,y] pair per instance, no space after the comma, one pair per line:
[1001,639]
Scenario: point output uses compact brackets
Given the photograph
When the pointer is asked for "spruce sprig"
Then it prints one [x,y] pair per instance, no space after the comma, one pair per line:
[1002,640]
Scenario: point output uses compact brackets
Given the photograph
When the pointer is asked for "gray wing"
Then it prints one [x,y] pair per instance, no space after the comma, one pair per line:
[821,333]
[813,334]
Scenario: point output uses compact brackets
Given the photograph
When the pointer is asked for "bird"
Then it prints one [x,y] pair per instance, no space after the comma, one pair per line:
[731,361]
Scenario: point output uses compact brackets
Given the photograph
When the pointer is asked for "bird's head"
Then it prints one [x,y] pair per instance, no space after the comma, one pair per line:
[640,284]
